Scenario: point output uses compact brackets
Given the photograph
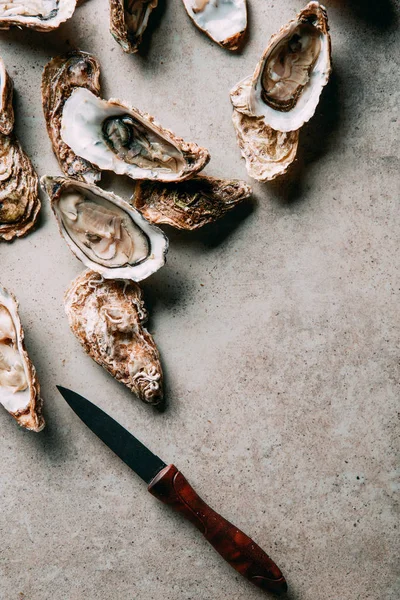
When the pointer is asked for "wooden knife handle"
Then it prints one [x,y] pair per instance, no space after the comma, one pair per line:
[233,545]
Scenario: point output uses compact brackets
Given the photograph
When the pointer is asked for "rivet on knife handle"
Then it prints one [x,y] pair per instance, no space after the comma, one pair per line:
[244,555]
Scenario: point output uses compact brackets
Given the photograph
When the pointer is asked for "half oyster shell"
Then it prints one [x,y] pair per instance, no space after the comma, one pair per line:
[107,317]
[116,137]
[19,386]
[6,107]
[191,204]
[224,21]
[268,153]
[128,21]
[293,70]
[60,77]
[42,15]
[105,232]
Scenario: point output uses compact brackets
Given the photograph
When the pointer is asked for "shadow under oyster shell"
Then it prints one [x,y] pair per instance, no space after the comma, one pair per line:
[190,204]
[107,318]
[19,385]
[61,76]
[128,21]
[41,15]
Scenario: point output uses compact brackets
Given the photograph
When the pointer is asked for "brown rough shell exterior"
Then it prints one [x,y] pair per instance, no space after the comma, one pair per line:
[6,110]
[60,77]
[128,40]
[107,317]
[31,417]
[190,204]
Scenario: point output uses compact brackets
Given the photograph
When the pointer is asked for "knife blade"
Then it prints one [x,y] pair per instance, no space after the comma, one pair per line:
[168,484]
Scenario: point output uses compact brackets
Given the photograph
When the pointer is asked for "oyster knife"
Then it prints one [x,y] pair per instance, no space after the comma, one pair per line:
[168,484]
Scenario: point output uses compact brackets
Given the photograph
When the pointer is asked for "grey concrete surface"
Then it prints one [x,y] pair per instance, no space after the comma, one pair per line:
[278,329]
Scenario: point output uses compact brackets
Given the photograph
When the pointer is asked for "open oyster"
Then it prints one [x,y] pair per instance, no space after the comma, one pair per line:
[19,201]
[268,153]
[42,15]
[128,21]
[118,138]
[293,70]
[191,204]
[107,317]
[105,232]
[224,21]
[19,386]
[60,77]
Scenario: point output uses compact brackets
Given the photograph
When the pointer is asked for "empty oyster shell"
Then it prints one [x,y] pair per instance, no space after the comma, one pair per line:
[191,204]
[224,21]
[128,21]
[293,70]
[19,386]
[107,317]
[6,107]
[268,153]
[60,77]
[105,232]
[42,15]
[118,138]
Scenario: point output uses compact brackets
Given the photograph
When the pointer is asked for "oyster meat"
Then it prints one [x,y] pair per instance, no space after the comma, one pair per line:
[268,153]
[116,137]
[42,15]
[106,233]
[107,317]
[191,204]
[19,200]
[224,21]
[60,77]
[19,386]
[128,21]
[293,70]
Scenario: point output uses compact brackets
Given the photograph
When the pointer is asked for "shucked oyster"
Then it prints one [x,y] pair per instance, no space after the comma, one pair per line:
[224,21]
[128,21]
[19,386]
[19,201]
[104,231]
[191,204]
[42,15]
[60,77]
[292,72]
[118,138]
[268,153]
[107,317]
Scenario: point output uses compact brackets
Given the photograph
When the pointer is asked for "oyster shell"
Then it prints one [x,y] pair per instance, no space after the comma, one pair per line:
[60,77]
[191,204]
[118,138]
[107,317]
[224,21]
[19,201]
[268,153]
[128,21]
[42,15]
[19,386]
[293,70]
[106,233]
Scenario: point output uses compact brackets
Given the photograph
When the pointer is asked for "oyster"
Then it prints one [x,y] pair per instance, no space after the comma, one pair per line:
[19,386]
[268,153]
[42,15]
[19,201]
[118,138]
[191,204]
[107,317]
[293,70]
[105,232]
[60,77]
[128,21]
[224,21]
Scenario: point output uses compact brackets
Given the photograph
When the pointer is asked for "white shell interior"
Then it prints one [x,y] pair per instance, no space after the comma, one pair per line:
[45,13]
[221,19]
[12,356]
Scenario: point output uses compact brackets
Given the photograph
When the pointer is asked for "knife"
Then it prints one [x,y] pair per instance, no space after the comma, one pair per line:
[168,484]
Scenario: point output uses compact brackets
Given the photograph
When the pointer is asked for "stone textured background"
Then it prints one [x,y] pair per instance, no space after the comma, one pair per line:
[278,328]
